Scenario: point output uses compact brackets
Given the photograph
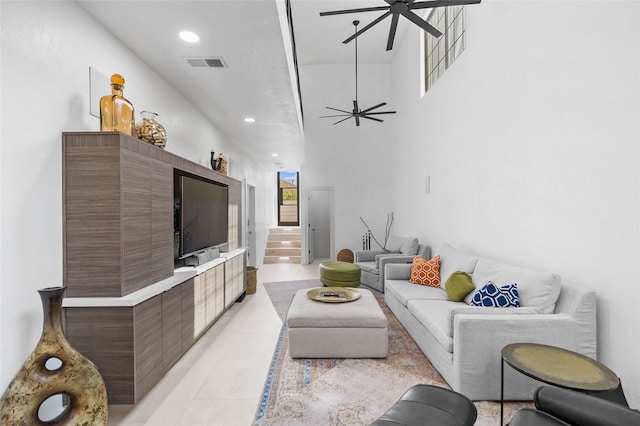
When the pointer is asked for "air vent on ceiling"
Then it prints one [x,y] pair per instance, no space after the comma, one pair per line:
[214,62]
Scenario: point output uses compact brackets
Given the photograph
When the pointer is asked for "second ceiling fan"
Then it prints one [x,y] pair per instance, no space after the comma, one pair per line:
[404,8]
[357,113]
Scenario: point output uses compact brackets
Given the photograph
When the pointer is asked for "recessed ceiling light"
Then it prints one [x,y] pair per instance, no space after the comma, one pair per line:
[250,120]
[274,155]
[189,36]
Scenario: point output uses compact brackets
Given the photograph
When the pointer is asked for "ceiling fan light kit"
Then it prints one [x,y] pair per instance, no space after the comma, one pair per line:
[397,8]
[357,113]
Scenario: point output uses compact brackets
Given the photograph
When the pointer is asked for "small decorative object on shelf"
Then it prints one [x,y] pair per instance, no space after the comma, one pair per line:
[214,161]
[150,131]
[220,163]
[116,112]
[55,369]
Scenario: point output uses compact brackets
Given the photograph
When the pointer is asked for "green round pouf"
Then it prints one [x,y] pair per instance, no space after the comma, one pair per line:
[339,274]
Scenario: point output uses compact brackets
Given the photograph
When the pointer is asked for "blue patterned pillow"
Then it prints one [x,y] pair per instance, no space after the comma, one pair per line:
[498,297]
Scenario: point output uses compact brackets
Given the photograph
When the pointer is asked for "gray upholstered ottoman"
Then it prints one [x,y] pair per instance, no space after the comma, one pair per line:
[355,329]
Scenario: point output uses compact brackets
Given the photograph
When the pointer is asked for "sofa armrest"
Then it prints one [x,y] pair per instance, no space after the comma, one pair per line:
[478,341]
[488,334]
[456,310]
[397,271]
[582,409]
[551,329]
[367,255]
[383,259]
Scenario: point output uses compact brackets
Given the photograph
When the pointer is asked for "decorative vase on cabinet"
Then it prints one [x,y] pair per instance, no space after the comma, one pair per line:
[116,112]
[150,131]
[55,369]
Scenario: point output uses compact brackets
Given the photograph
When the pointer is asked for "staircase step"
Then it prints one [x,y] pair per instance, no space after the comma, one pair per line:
[292,230]
[283,237]
[283,244]
[287,251]
[281,259]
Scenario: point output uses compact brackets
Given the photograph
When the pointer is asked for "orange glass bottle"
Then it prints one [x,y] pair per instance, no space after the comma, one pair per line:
[116,112]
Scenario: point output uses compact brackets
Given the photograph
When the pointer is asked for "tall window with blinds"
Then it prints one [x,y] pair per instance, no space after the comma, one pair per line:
[440,53]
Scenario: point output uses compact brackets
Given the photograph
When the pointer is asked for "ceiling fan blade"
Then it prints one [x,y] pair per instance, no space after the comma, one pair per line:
[381,112]
[441,3]
[344,119]
[421,23]
[373,107]
[371,118]
[339,115]
[341,110]
[392,31]
[357,120]
[366,27]
[364,9]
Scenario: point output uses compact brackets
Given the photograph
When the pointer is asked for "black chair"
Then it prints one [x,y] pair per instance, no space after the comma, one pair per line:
[426,405]
[616,395]
[557,406]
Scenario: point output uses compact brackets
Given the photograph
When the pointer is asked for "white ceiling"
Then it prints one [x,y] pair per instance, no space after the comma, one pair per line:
[319,39]
[248,35]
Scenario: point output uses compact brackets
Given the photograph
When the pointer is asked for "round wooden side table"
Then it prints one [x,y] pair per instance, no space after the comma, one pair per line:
[556,366]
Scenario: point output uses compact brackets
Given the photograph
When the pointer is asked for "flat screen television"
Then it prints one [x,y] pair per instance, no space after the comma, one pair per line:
[203,215]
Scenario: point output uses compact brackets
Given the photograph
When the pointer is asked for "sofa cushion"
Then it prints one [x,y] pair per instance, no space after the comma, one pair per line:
[452,260]
[425,272]
[404,245]
[463,308]
[497,297]
[536,288]
[370,267]
[458,286]
[433,315]
[438,316]
[403,291]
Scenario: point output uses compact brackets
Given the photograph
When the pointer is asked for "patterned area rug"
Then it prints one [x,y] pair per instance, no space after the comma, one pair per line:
[347,391]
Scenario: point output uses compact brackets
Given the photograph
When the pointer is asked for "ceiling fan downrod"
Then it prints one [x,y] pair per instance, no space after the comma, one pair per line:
[355,24]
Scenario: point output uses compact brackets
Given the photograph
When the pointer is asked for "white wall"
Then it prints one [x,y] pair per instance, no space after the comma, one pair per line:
[355,161]
[531,140]
[47,49]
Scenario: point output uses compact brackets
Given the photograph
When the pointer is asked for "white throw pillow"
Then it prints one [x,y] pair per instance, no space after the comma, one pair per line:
[538,289]
[452,260]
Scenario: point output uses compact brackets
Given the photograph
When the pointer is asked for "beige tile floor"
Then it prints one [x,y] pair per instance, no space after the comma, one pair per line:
[219,381]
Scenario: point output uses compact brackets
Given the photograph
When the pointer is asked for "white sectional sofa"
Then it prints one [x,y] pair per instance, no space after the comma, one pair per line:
[464,342]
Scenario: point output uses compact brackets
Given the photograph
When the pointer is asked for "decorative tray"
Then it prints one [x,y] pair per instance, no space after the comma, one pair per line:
[333,294]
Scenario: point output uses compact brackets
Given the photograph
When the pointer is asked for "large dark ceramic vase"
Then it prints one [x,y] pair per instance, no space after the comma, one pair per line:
[55,368]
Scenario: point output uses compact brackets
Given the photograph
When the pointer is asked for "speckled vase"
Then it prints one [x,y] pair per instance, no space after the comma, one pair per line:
[55,368]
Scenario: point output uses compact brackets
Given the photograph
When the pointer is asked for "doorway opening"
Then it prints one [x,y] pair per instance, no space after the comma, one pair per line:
[320,224]
[288,199]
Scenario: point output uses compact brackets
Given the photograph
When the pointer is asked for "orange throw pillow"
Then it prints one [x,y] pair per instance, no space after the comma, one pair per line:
[425,272]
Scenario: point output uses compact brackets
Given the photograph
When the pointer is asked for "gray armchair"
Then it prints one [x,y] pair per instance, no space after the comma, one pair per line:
[399,250]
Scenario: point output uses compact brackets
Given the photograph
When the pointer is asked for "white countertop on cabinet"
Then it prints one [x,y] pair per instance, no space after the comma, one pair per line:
[180,275]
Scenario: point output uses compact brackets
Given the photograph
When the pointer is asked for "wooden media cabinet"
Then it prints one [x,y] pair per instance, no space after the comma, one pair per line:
[127,308]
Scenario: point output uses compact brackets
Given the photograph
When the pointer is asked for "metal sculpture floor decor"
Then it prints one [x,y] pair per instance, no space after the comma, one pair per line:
[357,113]
[55,369]
[404,8]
